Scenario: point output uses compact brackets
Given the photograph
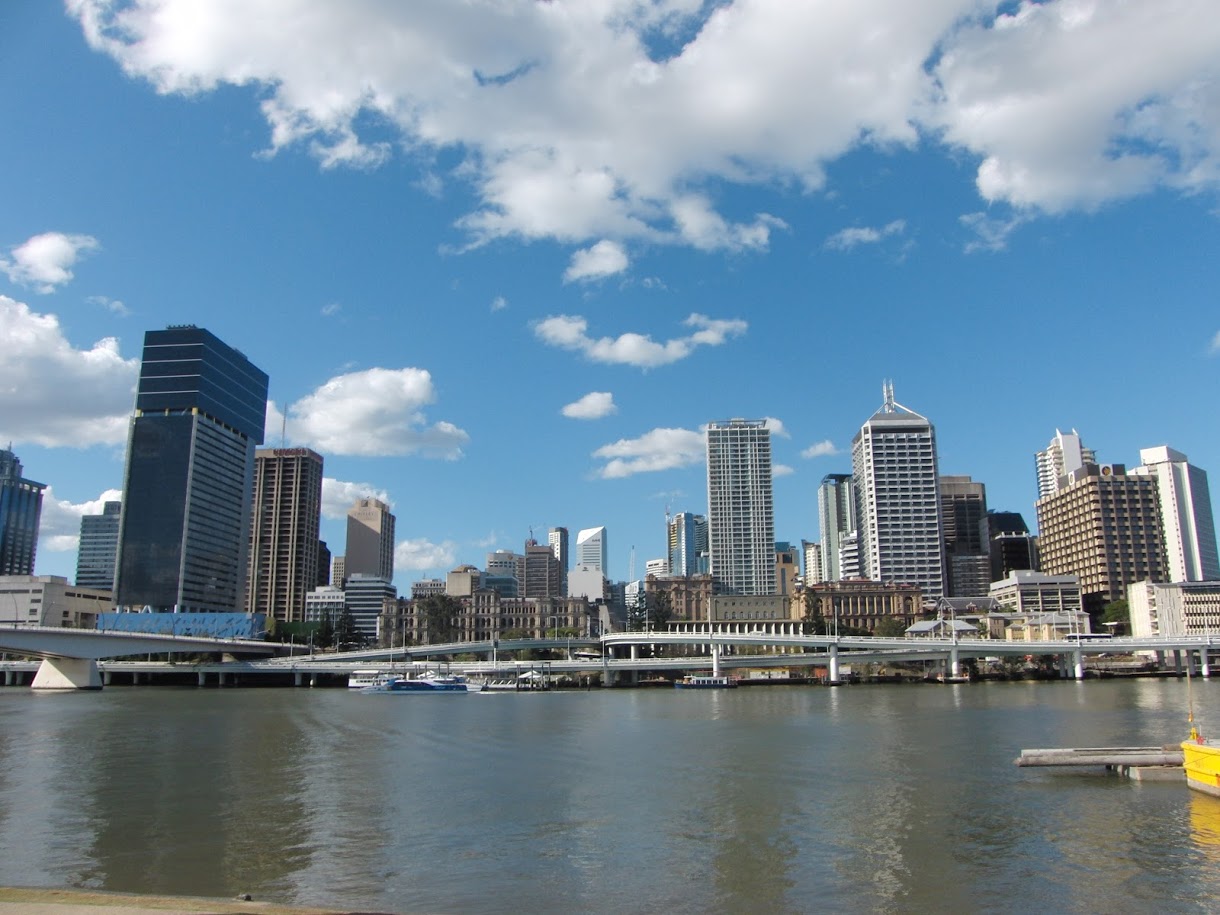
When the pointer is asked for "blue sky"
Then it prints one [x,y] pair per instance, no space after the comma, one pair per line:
[502,261]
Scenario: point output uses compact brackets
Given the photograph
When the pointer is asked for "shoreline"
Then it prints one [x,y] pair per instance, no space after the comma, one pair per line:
[69,901]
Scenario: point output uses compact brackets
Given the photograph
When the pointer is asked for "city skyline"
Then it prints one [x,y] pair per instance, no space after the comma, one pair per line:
[622,262]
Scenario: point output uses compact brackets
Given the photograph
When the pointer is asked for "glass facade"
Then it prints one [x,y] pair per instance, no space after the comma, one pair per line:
[20,510]
[184,527]
[740,511]
[99,546]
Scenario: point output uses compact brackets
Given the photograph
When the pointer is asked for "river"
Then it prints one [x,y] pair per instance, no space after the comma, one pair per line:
[875,798]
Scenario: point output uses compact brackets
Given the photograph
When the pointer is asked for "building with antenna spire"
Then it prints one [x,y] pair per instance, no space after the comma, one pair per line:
[284,544]
[898,505]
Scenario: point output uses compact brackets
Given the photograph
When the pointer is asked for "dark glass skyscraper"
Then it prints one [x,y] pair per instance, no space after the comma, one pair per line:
[20,509]
[185,526]
[99,545]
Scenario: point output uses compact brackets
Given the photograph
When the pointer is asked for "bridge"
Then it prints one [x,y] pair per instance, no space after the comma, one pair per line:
[70,655]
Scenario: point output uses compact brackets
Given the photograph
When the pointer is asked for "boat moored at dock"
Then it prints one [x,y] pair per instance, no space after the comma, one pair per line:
[446,683]
[1201,760]
[715,681]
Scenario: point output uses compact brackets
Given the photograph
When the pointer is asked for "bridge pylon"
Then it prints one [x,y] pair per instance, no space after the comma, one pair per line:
[67,673]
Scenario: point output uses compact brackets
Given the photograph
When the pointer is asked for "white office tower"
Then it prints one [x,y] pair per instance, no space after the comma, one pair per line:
[837,518]
[1063,455]
[898,499]
[1186,514]
[591,549]
[740,513]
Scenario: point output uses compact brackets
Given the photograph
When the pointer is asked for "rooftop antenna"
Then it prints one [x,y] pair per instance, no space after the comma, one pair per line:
[283,430]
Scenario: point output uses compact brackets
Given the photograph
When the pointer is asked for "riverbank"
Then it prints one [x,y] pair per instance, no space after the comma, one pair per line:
[37,901]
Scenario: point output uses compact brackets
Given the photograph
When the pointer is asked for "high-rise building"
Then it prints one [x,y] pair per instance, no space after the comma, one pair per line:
[557,538]
[787,569]
[1186,514]
[366,598]
[963,506]
[813,562]
[1104,527]
[20,510]
[592,550]
[370,540]
[284,545]
[99,547]
[542,572]
[894,467]
[1011,546]
[740,512]
[184,528]
[837,517]
[687,538]
[1064,454]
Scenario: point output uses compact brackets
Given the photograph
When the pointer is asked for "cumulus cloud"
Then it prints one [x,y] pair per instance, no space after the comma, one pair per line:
[593,405]
[776,427]
[376,412]
[629,120]
[45,261]
[54,394]
[338,496]
[59,523]
[570,332]
[1035,93]
[603,259]
[824,448]
[114,306]
[846,239]
[499,303]
[781,470]
[424,554]
[660,449]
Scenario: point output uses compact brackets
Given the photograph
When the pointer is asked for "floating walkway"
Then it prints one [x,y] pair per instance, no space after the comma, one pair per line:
[1139,763]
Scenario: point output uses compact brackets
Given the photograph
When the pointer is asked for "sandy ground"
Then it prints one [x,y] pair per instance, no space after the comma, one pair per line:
[33,901]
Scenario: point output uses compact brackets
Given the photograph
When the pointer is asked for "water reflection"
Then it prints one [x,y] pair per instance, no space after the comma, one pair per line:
[856,799]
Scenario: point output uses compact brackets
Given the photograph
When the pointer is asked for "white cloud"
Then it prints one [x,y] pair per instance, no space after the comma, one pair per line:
[377,412]
[593,405]
[330,309]
[660,449]
[424,554]
[824,448]
[605,258]
[338,496]
[45,261]
[991,234]
[114,306]
[569,332]
[846,239]
[781,470]
[1037,95]
[54,394]
[1215,347]
[59,523]
[499,303]
[776,427]
[628,120]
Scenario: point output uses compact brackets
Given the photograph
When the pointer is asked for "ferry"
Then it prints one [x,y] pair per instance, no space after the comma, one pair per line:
[428,684]
[362,679]
[693,681]
[1201,760]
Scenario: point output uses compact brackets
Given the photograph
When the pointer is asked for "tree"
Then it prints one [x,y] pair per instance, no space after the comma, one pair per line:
[1117,611]
[661,606]
[442,617]
[347,635]
[813,623]
[324,635]
[891,627]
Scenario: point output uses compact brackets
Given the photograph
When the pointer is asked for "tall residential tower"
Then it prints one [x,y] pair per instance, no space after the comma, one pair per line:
[740,511]
[1186,514]
[837,519]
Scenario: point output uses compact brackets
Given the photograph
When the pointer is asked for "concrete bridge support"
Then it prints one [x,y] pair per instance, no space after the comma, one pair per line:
[67,674]
[955,665]
[1078,664]
[832,671]
[8,677]
[1204,664]
[202,679]
[298,678]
